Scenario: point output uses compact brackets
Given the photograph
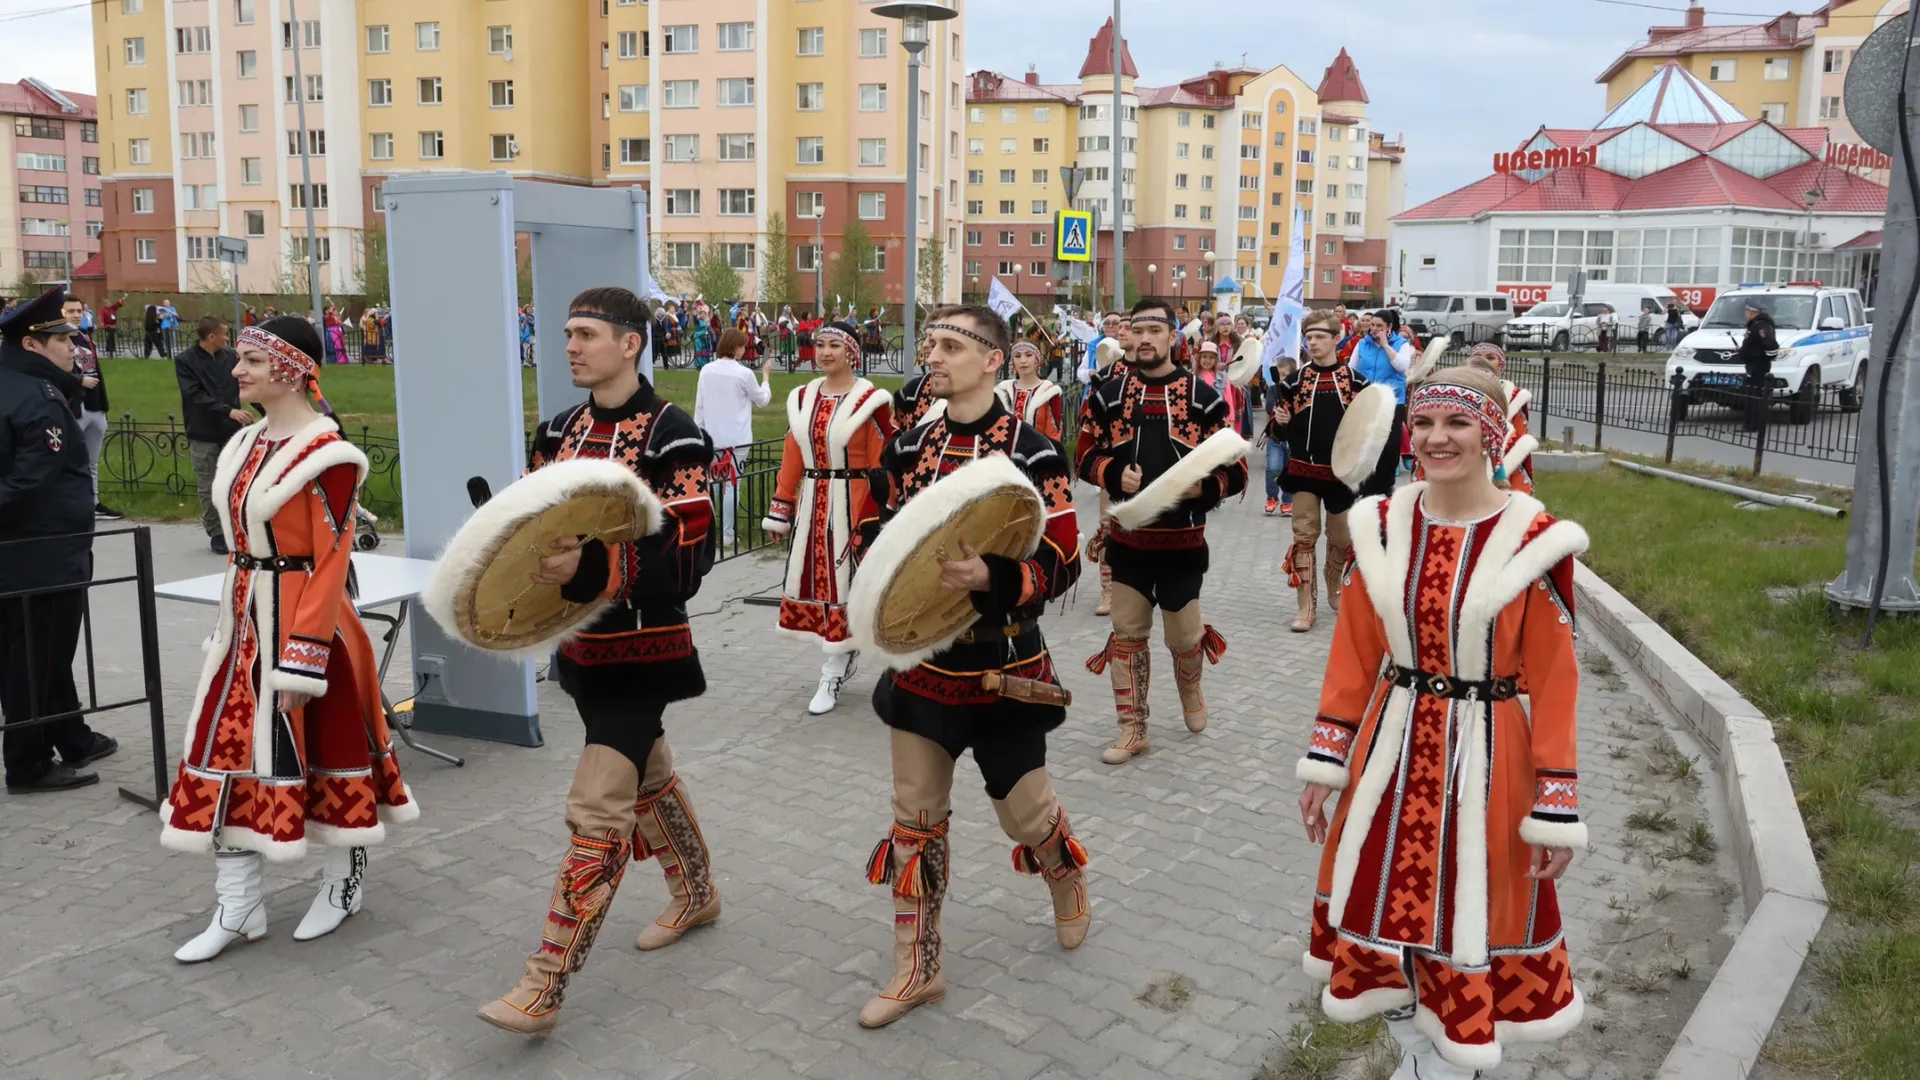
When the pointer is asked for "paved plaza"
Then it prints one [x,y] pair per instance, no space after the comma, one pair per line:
[1200,874]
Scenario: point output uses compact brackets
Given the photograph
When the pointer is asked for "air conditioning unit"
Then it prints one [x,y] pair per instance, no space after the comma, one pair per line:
[1816,239]
[507,54]
[513,147]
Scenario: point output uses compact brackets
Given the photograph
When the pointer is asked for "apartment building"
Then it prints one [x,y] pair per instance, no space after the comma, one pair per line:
[726,111]
[50,192]
[1789,70]
[1212,170]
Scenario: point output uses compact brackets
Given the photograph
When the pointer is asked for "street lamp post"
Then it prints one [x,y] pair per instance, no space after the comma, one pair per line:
[976,286]
[1811,197]
[1206,278]
[1152,269]
[819,257]
[914,18]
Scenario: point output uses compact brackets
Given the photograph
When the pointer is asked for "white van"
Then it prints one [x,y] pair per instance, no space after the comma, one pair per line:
[1823,335]
[1471,317]
[1547,325]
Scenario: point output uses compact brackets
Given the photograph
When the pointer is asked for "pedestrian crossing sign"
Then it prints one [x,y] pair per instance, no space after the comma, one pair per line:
[1073,236]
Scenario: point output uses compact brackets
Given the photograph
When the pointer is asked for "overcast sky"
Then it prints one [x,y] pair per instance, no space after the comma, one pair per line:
[1461,79]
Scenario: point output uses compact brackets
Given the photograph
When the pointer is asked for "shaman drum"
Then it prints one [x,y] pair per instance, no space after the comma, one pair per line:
[1223,447]
[896,607]
[1363,434]
[482,593]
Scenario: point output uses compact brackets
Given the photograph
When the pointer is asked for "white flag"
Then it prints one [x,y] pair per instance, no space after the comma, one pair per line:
[1283,335]
[1002,300]
[1082,331]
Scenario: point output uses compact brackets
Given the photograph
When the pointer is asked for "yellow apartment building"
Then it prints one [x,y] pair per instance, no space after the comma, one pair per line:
[726,111]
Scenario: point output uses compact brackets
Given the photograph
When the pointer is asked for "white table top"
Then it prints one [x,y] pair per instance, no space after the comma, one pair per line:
[384,579]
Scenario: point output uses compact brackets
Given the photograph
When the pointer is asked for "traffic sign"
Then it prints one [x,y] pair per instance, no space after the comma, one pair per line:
[230,249]
[1073,236]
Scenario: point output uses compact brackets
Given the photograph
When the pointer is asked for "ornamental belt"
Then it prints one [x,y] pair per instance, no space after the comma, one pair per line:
[1010,630]
[833,474]
[279,564]
[1434,684]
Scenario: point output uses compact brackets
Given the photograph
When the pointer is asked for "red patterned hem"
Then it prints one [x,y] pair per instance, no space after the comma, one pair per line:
[822,620]
[342,799]
[260,814]
[1159,539]
[651,645]
[963,687]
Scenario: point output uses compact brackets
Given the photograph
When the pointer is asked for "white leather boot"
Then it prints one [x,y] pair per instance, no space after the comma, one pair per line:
[833,675]
[1419,1058]
[339,893]
[240,909]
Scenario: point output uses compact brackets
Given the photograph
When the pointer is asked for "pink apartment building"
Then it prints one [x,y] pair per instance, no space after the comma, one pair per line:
[50,189]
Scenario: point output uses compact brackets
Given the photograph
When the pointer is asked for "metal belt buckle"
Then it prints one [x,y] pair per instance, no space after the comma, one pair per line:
[1439,685]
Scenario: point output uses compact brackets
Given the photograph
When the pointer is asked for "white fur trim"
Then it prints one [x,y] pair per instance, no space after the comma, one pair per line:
[1363,433]
[1523,448]
[778,528]
[829,647]
[1369,1004]
[853,409]
[1311,771]
[405,812]
[1566,834]
[921,515]
[1518,398]
[265,502]
[468,553]
[1383,561]
[1470,836]
[1042,394]
[276,679]
[1317,969]
[194,842]
[1553,1027]
[1366,797]
[1483,1056]
[1223,447]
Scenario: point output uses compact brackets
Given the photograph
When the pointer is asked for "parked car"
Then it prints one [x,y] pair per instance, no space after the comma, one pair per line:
[1823,336]
[1549,326]
[1471,317]
[1260,316]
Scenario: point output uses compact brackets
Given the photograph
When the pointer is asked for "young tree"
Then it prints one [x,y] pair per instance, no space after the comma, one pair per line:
[857,276]
[375,274]
[712,277]
[777,272]
[933,273]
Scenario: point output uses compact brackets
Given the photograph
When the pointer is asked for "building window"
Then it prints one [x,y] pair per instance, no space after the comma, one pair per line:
[1307,126]
[736,202]
[739,256]
[1006,208]
[1038,238]
[875,260]
[379,92]
[433,145]
[873,151]
[381,146]
[1548,255]
[812,95]
[500,41]
[1721,70]
[192,39]
[137,102]
[806,258]
[250,167]
[680,39]
[1774,112]
[682,255]
[683,202]
[504,147]
[143,200]
[1006,238]
[873,205]
[1040,146]
[246,64]
[139,152]
[1831,108]
[1249,213]
[426,36]
[812,41]
[1776,69]
[873,42]
[1834,61]
[1042,114]
[629,43]
[736,147]
[736,37]
[811,150]
[973,238]
[1179,211]
[680,94]
[379,39]
[131,7]
[636,151]
[145,250]
[1039,207]
[1206,181]
[810,204]
[500,93]
[873,97]
[297,196]
[136,51]
[322,248]
[254,223]
[633,98]
[430,90]
[1006,266]
[1183,119]
[736,92]
[976,146]
[1250,151]
[316,142]
[1355,218]
[682,148]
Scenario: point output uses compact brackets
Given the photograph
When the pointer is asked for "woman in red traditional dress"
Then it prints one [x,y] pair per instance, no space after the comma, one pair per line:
[1435,902]
[836,427]
[288,736]
[1521,443]
[1035,401]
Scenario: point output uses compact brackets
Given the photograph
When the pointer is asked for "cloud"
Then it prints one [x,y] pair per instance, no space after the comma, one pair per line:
[56,48]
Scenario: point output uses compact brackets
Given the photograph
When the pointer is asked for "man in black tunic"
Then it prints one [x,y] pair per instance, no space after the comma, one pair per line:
[1306,415]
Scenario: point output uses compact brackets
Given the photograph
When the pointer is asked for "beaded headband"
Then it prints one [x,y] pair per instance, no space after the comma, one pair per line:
[1491,351]
[852,343]
[291,366]
[1026,346]
[1455,397]
[1161,319]
[964,332]
[606,318]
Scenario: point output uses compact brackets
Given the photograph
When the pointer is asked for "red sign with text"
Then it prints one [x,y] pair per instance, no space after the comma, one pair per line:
[1350,276]
[1555,157]
[1697,297]
[1855,156]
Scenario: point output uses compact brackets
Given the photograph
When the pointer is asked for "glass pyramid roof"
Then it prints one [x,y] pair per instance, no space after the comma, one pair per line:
[1672,95]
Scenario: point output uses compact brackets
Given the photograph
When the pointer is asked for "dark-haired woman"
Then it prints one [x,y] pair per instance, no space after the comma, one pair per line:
[287,738]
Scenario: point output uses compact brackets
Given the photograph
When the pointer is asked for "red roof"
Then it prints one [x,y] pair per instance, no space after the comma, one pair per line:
[1864,240]
[1342,81]
[1780,34]
[993,86]
[1100,54]
[1154,96]
[94,267]
[1700,181]
[1841,192]
[22,99]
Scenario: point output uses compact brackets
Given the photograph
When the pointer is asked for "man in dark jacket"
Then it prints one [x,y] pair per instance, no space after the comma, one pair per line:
[93,399]
[46,512]
[1756,355]
[210,402]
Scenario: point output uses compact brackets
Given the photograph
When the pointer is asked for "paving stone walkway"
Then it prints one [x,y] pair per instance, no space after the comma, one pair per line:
[1200,872]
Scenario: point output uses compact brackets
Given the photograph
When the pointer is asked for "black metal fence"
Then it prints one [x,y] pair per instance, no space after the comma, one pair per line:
[35,606]
[1583,336]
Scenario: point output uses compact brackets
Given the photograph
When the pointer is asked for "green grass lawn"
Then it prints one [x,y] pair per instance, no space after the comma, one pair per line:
[363,398]
[1741,590]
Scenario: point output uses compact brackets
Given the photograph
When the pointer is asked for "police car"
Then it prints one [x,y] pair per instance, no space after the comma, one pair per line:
[1823,336]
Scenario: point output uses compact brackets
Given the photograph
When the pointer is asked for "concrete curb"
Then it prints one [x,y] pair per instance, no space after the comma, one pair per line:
[1780,882]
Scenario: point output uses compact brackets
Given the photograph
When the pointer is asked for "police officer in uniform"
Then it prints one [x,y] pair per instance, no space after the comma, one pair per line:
[46,498]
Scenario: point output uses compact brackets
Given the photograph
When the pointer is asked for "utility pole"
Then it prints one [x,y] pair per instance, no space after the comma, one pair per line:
[306,162]
[915,18]
[1882,90]
[1119,177]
